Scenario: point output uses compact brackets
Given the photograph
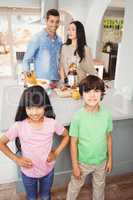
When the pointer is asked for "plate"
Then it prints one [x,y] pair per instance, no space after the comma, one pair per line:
[65,93]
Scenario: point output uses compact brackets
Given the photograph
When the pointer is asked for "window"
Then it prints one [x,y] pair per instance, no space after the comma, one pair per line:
[23,27]
[17,26]
[5,50]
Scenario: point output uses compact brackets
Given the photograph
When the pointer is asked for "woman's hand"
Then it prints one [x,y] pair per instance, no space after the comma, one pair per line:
[52,156]
[24,162]
[77,172]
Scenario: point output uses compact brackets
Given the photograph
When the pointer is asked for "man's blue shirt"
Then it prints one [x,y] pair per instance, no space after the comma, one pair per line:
[45,52]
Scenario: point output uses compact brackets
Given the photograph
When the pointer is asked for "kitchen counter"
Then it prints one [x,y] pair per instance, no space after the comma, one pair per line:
[64,107]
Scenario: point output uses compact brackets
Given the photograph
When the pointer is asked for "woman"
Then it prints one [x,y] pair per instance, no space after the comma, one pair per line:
[75,50]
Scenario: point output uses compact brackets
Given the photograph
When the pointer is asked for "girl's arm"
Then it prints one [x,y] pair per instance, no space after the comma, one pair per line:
[5,149]
[109,161]
[21,161]
[63,143]
[59,149]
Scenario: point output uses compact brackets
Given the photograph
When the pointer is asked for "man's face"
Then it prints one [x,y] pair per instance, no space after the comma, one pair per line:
[52,23]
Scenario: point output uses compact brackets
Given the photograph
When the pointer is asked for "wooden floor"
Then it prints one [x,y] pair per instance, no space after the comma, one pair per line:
[117,188]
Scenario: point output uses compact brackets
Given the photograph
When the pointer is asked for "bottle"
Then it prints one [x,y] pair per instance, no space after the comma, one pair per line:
[20,74]
[72,76]
[32,68]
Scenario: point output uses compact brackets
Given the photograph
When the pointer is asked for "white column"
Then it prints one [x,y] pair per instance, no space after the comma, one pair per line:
[124,67]
[93,22]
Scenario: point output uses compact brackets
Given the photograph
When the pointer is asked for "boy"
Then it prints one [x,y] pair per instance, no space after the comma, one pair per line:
[91,140]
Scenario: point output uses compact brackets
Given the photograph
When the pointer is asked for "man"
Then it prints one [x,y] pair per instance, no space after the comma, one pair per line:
[44,49]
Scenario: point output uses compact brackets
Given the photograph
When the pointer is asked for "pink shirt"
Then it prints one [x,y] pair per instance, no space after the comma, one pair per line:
[36,144]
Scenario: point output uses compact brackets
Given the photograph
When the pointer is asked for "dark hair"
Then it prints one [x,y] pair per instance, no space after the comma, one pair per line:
[33,96]
[92,82]
[52,12]
[81,39]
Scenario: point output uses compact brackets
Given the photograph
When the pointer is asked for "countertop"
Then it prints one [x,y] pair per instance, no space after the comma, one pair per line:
[64,107]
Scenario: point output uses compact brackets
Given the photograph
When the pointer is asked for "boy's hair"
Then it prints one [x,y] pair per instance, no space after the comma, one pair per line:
[33,96]
[92,82]
[52,12]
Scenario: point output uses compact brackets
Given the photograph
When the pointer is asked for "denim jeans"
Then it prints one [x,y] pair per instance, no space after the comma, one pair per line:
[43,184]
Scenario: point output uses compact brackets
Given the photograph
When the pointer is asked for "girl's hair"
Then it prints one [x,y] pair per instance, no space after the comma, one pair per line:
[92,82]
[81,40]
[33,96]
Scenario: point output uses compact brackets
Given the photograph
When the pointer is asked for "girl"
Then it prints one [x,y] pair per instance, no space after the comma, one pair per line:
[35,128]
[75,50]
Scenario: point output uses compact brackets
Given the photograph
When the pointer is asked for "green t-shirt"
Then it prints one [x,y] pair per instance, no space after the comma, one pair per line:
[91,129]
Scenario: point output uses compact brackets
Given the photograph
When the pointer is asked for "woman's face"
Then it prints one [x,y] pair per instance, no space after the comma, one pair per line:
[35,113]
[72,32]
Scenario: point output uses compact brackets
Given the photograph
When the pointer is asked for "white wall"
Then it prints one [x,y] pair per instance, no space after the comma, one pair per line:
[20,3]
[124,67]
[77,8]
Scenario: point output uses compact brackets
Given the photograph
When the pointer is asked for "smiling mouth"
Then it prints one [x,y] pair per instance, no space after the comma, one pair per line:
[91,99]
[35,116]
[54,27]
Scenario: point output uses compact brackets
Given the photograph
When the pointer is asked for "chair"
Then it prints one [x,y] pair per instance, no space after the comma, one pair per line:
[20,55]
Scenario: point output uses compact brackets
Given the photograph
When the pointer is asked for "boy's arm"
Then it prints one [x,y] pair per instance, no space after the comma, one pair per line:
[74,157]
[55,153]
[109,144]
[21,161]
[73,149]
